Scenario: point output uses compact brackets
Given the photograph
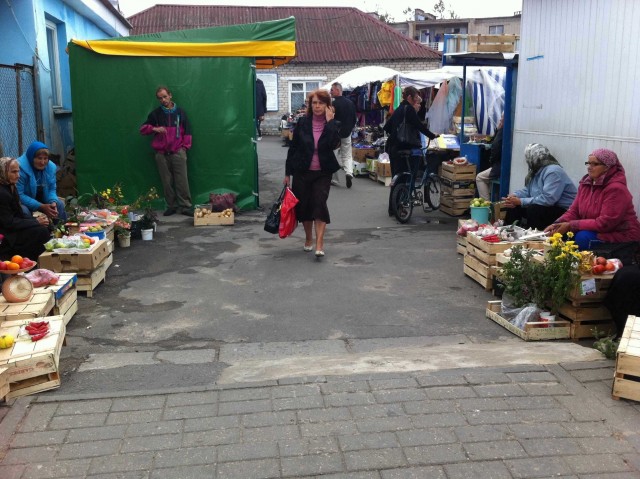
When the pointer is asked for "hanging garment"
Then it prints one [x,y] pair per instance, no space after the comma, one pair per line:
[385,95]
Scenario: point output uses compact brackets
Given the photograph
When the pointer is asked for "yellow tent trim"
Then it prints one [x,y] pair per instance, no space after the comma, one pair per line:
[268,48]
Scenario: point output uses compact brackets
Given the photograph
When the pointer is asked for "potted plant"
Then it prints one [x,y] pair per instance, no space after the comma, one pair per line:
[149,218]
[122,230]
[543,283]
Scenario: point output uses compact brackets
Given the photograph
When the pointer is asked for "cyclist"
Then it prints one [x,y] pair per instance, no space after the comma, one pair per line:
[405,113]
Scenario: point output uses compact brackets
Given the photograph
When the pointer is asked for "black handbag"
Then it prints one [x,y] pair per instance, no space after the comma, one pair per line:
[272,223]
[406,133]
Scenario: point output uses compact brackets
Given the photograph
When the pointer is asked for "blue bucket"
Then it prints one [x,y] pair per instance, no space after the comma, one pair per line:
[480,214]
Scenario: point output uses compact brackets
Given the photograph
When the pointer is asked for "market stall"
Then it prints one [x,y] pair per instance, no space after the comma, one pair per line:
[212,74]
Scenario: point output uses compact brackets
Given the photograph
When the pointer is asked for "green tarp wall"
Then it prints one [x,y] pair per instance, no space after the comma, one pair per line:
[112,95]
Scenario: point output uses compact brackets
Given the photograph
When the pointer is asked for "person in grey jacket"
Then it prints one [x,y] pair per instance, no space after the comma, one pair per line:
[547,194]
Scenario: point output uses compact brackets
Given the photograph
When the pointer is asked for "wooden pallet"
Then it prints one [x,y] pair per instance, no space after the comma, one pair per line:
[585,320]
[39,305]
[533,331]
[89,282]
[626,381]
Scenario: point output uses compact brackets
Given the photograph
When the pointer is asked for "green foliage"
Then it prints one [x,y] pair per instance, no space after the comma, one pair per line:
[607,345]
[521,276]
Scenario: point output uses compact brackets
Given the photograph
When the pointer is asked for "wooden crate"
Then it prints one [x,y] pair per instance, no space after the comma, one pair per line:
[461,245]
[89,282]
[83,262]
[599,283]
[454,211]
[4,382]
[214,220]
[65,296]
[478,271]
[37,384]
[385,180]
[458,172]
[454,202]
[492,43]
[27,359]
[468,193]
[39,305]
[585,320]
[626,381]
[533,331]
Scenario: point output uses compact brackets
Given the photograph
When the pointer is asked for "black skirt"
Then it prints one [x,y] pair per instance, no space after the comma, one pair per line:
[312,190]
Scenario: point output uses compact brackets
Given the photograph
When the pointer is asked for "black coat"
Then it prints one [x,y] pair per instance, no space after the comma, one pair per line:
[302,146]
[345,114]
[405,110]
[261,98]
[22,234]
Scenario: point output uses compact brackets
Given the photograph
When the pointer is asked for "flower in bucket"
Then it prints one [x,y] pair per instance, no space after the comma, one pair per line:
[144,202]
[122,226]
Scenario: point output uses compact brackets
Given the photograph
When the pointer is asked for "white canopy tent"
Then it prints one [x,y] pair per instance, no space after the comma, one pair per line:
[362,76]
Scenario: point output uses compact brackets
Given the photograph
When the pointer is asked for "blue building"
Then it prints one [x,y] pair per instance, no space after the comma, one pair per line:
[34,67]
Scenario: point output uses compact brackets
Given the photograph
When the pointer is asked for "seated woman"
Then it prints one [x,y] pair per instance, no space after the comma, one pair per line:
[37,185]
[23,234]
[603,210]
[548,191]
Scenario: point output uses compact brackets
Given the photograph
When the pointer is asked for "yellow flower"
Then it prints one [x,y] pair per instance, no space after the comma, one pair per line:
[569,234]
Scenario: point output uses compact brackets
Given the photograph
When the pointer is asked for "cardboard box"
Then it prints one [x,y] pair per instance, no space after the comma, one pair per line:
[76,262]
[361,154]
[360,169]
[383,169]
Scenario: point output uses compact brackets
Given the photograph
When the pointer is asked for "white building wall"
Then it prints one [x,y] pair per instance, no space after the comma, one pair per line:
[578,78]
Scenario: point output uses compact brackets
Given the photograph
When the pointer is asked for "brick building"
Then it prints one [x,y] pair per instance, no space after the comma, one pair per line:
[330,41]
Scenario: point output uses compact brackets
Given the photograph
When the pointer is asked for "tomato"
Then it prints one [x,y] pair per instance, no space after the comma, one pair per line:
[610,266]
[3,266]
[600,260]
[598,269]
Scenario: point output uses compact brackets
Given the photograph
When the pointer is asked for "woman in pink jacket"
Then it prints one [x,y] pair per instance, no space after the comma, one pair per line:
[603,209]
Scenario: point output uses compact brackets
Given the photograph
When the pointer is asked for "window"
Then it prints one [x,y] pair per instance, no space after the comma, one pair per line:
[424,36]
[496,29]
[54,64]
[298,91]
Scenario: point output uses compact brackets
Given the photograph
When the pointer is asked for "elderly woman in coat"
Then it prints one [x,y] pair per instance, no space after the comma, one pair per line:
[37,185]
[603,210]
[548,191]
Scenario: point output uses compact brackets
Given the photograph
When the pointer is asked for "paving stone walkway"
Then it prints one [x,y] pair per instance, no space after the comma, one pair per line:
[513,422]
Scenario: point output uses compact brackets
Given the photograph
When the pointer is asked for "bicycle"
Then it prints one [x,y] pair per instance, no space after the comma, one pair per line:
[407,193]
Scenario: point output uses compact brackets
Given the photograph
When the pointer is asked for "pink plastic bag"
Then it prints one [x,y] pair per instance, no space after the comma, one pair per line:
[288,220]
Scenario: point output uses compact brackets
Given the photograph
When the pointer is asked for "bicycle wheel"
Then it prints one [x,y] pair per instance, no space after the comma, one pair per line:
[432,189]
[400,179]
[402,203]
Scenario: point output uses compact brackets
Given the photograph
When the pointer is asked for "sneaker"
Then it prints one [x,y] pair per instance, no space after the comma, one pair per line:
[334,183]
[349,178]
[187,211]
[169,212]
[259,138]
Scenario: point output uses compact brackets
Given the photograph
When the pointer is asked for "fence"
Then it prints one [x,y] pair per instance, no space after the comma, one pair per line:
[18,121]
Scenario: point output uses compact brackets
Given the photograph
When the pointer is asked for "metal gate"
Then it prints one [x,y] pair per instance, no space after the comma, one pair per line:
[18,120]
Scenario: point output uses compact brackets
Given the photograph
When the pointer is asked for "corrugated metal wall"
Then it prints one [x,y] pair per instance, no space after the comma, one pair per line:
[578,79]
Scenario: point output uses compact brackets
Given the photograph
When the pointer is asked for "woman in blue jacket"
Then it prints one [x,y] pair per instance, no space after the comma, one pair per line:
[37,184]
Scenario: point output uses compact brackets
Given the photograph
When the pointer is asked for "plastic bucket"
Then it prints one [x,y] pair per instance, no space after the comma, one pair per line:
[480,214]
[147,235]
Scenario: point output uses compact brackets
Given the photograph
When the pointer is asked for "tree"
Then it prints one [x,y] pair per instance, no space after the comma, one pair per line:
[408,13]
[439,8]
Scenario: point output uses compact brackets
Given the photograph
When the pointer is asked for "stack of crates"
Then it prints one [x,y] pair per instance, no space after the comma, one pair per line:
[458,188]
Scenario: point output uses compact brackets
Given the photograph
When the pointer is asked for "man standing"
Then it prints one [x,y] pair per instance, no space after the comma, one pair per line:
[261,105]
[172,138]
[346,115]
[483,179]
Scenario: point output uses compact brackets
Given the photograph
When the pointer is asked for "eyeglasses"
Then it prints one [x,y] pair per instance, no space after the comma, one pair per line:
[593,163]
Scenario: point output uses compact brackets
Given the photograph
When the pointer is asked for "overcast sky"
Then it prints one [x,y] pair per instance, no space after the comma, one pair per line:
[463,8]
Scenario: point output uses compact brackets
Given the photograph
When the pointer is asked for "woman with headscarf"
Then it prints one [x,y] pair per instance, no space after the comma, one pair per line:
[603,210]
[311,161]
[37,185]
[23,234]
[548,191]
